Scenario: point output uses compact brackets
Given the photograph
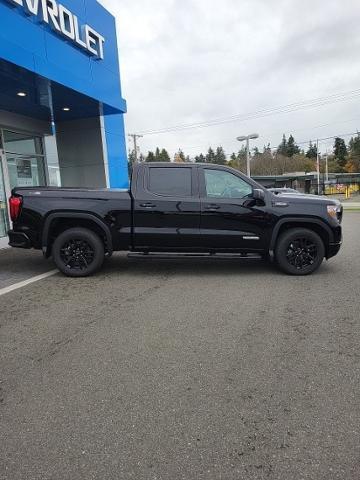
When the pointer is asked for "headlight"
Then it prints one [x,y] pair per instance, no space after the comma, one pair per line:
[333,211]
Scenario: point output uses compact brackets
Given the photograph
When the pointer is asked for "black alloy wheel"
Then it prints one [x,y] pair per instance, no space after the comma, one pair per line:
[302,253]
[78,252]
[299,251]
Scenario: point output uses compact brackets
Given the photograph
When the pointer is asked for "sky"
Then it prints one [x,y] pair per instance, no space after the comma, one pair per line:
[188,62]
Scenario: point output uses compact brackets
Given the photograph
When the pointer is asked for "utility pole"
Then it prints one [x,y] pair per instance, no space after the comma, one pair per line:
[134,138]
[327,166]
[318,166]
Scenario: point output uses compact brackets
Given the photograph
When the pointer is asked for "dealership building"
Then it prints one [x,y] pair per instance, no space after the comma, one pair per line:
[61,106]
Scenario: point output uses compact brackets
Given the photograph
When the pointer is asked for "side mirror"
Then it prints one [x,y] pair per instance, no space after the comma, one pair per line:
[258,194]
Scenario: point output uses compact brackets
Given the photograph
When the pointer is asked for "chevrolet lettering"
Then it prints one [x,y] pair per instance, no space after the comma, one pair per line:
[65,23]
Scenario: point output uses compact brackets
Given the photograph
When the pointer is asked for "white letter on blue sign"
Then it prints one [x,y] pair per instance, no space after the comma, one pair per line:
[50,9]
[66,22]
[32,6]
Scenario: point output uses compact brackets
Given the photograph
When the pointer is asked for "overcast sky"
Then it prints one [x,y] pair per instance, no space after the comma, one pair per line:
[185,62]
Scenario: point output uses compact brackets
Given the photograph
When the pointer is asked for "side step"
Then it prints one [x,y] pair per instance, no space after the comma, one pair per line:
[176,255]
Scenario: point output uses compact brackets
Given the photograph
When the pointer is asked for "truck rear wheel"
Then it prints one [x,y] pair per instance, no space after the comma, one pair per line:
[299,251]
[78,252]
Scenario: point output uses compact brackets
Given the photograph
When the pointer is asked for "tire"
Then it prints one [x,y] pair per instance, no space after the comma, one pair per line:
[299,251]
[78,252]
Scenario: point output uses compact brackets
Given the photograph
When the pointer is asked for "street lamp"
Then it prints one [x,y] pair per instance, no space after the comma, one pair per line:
[247,139]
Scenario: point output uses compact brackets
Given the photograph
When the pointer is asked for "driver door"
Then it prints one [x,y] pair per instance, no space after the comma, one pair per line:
[229,220]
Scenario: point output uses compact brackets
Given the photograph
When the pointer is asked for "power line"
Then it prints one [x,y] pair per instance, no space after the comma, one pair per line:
[315,103]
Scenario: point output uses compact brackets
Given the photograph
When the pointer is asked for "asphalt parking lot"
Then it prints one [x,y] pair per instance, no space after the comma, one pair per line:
[181,370]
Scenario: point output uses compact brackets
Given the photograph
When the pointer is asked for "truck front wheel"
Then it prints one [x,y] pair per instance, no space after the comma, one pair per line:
[299,251]
[78,252]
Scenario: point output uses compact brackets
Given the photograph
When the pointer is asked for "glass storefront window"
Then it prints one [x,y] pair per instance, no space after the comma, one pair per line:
[25,171]
[22,143]
[25,159]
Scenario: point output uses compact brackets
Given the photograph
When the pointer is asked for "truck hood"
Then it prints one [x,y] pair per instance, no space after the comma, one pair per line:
[306,199]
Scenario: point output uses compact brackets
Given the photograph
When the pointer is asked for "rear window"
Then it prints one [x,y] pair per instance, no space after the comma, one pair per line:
[170,182]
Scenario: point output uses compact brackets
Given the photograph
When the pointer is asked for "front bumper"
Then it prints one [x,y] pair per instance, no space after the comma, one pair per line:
[333,249]
[19,240]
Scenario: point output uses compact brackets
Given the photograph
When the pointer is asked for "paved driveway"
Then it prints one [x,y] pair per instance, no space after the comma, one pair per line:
[184,370]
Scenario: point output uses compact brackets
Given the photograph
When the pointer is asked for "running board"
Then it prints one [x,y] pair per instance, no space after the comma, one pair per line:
[167,256]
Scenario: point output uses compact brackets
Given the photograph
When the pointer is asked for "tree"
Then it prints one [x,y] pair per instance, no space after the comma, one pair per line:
[200,158]
[132,157]
[333,165]
[220,157]
[238,160]
[180,157]
[157,155]
[353,163]
[283,147]
[340,152]
[309,165]
[312,151]
[150,157]
[292,148]
[210,156]
[164,156]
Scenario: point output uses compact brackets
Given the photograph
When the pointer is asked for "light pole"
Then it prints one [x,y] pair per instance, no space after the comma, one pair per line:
[247,138]
[318,166]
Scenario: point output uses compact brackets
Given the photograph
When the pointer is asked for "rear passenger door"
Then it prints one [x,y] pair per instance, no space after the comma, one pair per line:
[167,208]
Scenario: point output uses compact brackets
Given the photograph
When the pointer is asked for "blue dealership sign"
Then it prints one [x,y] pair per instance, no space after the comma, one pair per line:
[74,44]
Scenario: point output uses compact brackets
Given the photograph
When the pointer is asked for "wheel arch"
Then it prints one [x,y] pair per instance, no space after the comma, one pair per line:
[315,225]
[58,222]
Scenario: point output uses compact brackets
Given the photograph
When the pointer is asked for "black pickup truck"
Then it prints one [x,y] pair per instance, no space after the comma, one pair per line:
[181,208]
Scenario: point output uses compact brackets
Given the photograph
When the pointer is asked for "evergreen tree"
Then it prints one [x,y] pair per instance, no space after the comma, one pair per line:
[292,148]
[157,155]
[132,157]
[340,151]
[283,147]
[150,157]
[312,151]
[164,156]
[353,163]
[200,158]
[210,157]
[220,156]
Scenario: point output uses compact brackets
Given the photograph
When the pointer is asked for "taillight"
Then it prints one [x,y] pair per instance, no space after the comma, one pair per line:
[15,204]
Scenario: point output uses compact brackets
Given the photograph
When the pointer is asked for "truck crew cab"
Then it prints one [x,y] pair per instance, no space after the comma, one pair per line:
[171,207]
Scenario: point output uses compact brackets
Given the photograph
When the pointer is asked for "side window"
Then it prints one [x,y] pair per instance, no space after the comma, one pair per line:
[221,184]
[170,182]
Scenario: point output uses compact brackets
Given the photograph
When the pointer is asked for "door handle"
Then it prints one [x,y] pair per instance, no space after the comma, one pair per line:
[147,205]
[213,207]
